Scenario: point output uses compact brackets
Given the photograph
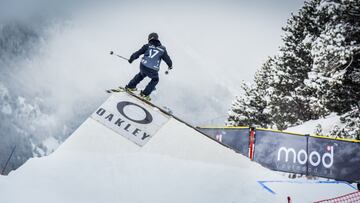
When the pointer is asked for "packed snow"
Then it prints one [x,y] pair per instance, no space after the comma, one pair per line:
[178,164]
[326,124]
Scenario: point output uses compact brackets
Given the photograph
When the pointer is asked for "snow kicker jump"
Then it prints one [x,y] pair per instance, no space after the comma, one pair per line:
[129,150]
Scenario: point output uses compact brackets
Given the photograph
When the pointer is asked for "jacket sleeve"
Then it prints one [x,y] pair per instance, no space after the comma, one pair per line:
[138,53]
[167,59]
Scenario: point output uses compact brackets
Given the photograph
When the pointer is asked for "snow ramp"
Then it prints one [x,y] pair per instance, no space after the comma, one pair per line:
[131,151]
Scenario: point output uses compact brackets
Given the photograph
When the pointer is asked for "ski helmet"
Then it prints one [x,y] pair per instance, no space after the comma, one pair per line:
[152,36]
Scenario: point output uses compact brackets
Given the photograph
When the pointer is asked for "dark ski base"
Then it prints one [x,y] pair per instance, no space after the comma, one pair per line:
[119,89]
[122,89]
[165,110]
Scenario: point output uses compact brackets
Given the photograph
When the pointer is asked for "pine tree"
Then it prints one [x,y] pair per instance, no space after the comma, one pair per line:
[282,75]
[336,65]
[336,56]
[249,109]
[315,72]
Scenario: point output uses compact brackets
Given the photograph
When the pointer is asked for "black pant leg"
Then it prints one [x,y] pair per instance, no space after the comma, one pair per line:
[136,80]
[151,86]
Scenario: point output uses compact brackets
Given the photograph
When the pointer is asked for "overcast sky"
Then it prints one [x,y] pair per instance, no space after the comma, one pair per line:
[214,46]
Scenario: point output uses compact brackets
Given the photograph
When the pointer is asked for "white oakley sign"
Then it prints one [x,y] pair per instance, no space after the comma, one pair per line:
[130,118]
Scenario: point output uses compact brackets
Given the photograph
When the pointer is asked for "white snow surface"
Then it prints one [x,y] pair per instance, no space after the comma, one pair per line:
[51,144]
[326,123]
[178,164]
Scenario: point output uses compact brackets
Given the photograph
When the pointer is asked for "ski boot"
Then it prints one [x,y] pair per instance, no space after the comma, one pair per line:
[145,97]
[132,90]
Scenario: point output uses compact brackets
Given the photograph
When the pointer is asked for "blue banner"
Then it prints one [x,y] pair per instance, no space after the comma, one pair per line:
[235,138]
[280,151]
[336,159]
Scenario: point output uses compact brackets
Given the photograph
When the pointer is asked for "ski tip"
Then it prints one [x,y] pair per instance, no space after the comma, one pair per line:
[120,89]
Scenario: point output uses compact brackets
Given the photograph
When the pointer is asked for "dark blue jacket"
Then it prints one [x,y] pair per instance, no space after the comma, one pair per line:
[153,52]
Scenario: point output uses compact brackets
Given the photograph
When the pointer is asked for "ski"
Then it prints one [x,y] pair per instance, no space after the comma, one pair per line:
[165,110]
[132,93]
[119,89]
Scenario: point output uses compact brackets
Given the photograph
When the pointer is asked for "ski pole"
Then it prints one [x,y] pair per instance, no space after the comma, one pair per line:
[112,53]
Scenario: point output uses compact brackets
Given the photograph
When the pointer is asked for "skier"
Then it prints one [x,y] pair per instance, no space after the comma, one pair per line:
[153,53]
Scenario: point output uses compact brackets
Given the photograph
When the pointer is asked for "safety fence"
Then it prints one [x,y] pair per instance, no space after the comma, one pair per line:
[319,156]
[348,198]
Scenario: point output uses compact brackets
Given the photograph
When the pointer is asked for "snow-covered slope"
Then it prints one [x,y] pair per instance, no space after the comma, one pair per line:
[178,164]
[325,124]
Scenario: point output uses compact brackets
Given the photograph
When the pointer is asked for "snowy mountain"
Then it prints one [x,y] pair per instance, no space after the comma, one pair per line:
[25,127]
[55,66]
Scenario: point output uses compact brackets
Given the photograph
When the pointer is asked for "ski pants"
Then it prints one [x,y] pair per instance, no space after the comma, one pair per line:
[145,72]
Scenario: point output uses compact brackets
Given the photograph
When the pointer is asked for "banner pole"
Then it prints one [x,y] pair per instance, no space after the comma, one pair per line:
[307,151]
[251,143]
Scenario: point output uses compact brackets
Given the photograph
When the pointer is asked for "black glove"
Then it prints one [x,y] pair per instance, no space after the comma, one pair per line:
[130,61]
[167,71]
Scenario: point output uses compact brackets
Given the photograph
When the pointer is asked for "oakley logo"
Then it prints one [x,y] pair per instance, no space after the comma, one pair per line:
[121,106]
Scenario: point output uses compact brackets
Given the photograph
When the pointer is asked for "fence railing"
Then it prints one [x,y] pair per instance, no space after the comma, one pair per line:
[348,198]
